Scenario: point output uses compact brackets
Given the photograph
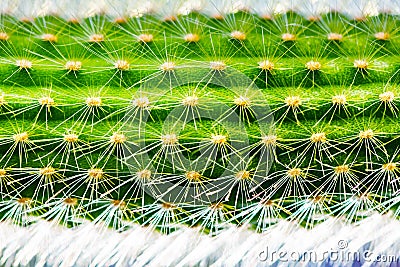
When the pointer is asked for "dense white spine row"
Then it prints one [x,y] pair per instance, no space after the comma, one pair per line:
[374,240]
[77,9]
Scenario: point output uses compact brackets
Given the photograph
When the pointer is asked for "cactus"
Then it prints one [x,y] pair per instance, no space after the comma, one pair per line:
[161,133]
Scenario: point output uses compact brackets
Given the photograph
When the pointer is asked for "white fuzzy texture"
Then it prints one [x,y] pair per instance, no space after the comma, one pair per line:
[166,8]
[47,244]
